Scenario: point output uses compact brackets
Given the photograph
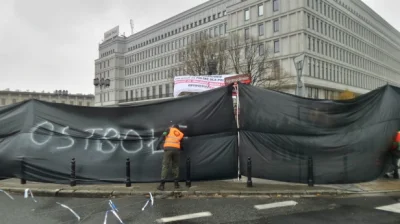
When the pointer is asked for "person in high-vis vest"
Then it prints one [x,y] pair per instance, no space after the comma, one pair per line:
[396,155]
[172,147]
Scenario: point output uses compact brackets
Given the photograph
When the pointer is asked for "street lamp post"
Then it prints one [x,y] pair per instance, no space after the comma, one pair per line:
[299,64]
[212,66]
[102,83]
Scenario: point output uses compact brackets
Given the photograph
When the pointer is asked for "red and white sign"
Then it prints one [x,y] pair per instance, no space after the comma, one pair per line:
[196,84]
[245,79]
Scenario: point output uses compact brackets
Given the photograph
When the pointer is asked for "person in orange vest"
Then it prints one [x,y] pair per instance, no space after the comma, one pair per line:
[395,155]
[172,147]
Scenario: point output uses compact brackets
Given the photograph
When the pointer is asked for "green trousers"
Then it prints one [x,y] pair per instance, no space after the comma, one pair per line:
[171,159]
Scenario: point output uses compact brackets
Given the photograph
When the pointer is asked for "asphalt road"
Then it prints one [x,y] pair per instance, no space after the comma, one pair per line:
[222,210]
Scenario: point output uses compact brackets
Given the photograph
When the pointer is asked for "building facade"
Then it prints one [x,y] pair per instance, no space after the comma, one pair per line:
[8,97]
[347,46]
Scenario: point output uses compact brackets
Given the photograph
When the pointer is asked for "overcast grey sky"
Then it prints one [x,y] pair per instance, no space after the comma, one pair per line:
[52,44]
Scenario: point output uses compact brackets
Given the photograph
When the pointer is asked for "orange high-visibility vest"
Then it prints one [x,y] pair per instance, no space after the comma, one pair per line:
[396,143]
[173,139]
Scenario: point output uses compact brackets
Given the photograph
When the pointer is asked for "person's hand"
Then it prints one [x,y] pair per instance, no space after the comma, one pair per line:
[165,133]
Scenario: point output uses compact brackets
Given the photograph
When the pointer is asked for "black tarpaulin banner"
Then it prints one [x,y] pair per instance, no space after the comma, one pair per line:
[348,141]
[46,136]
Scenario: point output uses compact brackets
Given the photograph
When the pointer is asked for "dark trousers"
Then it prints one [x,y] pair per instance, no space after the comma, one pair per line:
[395,161]
[171,159]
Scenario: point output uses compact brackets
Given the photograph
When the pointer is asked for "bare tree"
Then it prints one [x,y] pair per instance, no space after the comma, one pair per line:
[197,54]
[248,55]
[277,78]
[235,54]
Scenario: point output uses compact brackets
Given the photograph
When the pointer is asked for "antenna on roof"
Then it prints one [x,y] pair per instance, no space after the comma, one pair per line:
[132,27]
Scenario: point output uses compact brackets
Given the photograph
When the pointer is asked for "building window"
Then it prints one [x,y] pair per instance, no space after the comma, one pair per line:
[246,33]
[275,5]
[260,10]
[224,12]
[246,14]
[3,101]
[276,46]
[88,104]
[261,49]
[276,25]
[14,101]
[312,23]
[261,29]
[167,89]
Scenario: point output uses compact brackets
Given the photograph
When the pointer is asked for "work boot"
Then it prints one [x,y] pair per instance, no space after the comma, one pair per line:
[176,184]
[161,187]
[396,174]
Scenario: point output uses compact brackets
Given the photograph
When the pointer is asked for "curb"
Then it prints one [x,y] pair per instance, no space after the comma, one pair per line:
[194,194]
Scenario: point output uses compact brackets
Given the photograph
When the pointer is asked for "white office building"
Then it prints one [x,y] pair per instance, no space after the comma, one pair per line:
[347,46]
[8,97]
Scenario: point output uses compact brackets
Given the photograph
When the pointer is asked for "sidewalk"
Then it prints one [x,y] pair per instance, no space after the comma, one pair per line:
[226,188]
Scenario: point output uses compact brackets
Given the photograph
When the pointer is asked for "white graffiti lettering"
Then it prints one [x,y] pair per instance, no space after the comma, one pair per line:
[140,140]
[113,146]
[151,143]
[41,125]
[64,132]
[93,130]
[103,140]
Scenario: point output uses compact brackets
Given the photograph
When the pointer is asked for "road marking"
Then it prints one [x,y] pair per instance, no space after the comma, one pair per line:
[184,217]
[391,208]
[275,205]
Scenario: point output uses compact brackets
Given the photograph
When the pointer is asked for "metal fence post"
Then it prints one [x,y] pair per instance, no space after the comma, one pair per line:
[72,181]
[188,182]
[128,173]
[249,181]
[310,172]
